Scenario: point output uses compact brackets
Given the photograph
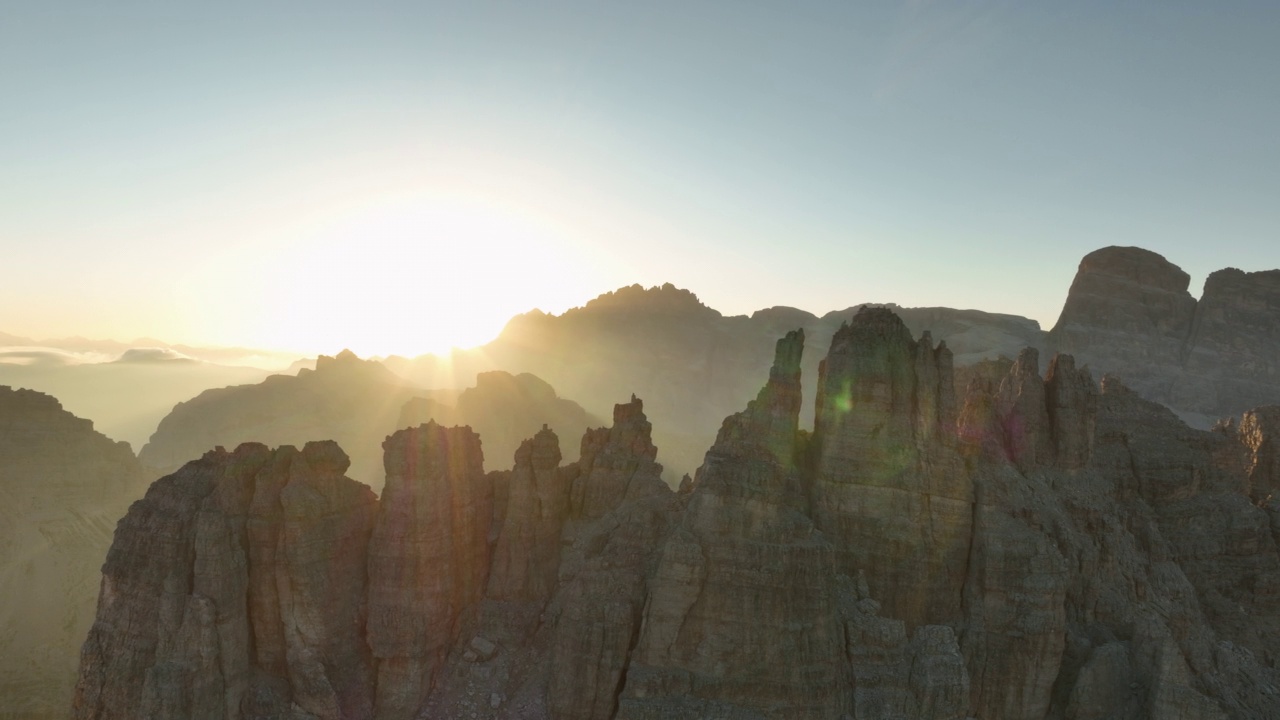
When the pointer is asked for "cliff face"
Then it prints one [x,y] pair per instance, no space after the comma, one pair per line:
[62,488]
[1043,549]
[1129,313]
[236,588]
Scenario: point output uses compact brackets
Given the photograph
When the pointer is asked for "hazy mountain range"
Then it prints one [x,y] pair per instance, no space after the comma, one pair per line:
[1128,312]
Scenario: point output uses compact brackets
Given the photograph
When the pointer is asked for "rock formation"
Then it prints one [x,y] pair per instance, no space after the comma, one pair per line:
[691,364]
[236,588]
[428,560]
[888,484]
[504,409]
[1044,549]
[62,488]
[1129,313]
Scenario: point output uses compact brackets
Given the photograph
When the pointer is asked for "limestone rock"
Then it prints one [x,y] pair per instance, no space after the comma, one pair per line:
[1128,313]
[526,557]
[889,487]
[1039,551]
[428,558]
[1228,359]
[63,486]
[1260,433]
[742,618]
[183,601]
[616,463]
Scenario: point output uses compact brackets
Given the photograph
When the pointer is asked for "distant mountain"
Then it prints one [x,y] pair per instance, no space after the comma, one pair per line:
[1129,313]
[63,486]
[126,397]
[358,403]
[89,350]
[127,387]
[505,410]
[692,364]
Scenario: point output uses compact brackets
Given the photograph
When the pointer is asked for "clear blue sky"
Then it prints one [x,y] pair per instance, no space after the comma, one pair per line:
[312,175]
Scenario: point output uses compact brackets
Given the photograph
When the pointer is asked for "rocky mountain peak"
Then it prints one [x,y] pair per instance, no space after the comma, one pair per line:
[1136,265]
[663,299]
[1129,313]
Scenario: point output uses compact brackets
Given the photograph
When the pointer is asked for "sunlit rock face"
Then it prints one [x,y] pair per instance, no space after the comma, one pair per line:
[1128,313]
[1044,549]
[236,588]
[62,488]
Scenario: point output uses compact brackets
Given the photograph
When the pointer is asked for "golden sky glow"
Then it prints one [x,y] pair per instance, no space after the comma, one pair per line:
[418,274]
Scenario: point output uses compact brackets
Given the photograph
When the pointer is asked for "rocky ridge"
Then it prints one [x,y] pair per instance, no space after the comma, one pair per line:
[356,403]
[1046,548]
[1129,313]
[62,487]
[692,364]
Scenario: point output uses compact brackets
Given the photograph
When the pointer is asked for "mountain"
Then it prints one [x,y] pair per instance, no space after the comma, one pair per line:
[1129,313]
[127,396]
[62,487]
[1038,546]
[692,364]
[504,409]
[357,403]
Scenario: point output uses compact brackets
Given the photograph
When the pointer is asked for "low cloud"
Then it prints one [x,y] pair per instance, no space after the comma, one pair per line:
[47,357]
[154,355]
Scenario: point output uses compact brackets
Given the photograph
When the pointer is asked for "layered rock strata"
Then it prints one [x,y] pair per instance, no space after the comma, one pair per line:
[236,588]
[1128,312]
[1045,549]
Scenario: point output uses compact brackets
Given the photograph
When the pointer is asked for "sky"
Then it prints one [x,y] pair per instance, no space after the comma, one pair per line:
[401,177]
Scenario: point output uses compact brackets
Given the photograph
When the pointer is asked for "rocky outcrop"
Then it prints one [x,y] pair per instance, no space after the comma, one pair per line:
[62,488]
[1260,433]
[889,487]
[574,551]
[742,618]
[236,588]
[505,410]
[1129,313]
[618,464]
[526,556]
[1045,549]
[428,559]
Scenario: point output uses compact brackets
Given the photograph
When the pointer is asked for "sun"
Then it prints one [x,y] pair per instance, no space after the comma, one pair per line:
[415,276]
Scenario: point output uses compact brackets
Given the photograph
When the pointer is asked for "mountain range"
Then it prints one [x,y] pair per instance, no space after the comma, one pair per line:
[1128,314]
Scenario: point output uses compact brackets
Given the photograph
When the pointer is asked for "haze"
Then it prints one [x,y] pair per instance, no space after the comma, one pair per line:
[399,179]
